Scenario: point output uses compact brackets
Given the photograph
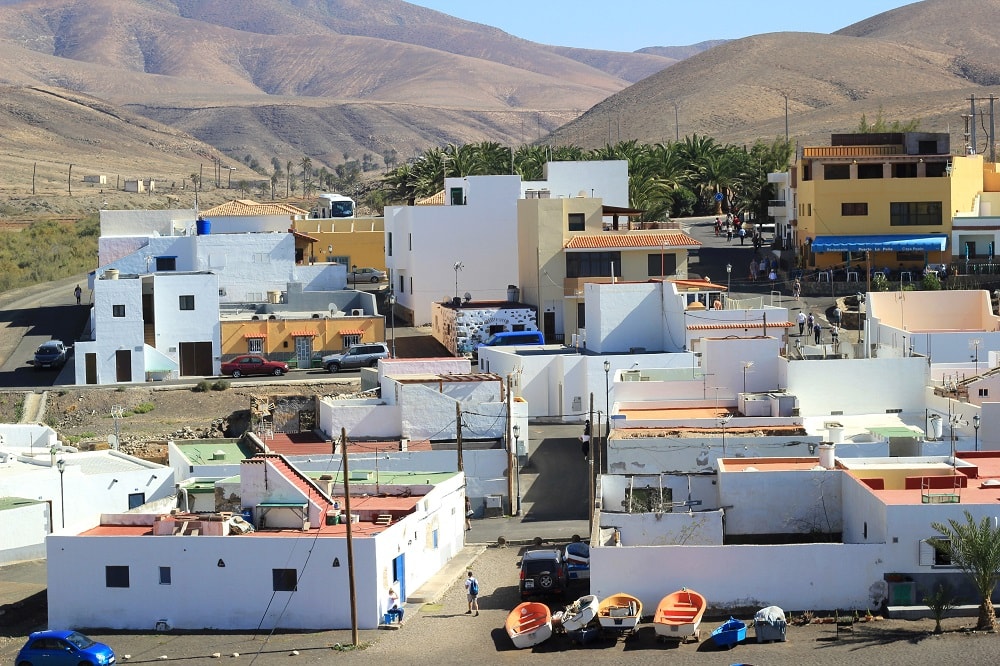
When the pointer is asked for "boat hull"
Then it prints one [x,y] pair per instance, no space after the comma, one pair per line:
[678,615]
[619,612]
[529,624]
[587,606]
[730,633]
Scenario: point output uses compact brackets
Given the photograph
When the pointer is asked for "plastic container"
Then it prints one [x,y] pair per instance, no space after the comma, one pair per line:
[203,227]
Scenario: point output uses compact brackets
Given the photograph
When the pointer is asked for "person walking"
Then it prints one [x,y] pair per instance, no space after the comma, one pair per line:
[817,331]
[753,270]
[834,334]
[729,233]
[78,293]
[585,438]
[810,320]
[797,290]
[802,323]
[472,594]
[468,514]
[743,234]
[773,277]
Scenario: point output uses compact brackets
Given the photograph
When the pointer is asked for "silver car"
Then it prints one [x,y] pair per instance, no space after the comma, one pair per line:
[361,355]
[372,275]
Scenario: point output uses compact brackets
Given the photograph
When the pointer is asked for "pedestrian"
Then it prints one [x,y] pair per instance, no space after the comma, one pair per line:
[802,323]
[753,270]
[729,234]
[810,321]
[743,234]
[78,292]
[762,267]
[393,612]
[835,315]
[796,289]
[773,277]
[817,330]
[585,438]
[472,594]
[835,334]
[468,514]
[718,226]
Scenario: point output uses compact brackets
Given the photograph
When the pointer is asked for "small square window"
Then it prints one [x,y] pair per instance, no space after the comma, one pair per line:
[117,310]
[255,345]
[284,580]
[577,222]
[187,301]
[116,576]
[164,575]
[350,340]
[984,393]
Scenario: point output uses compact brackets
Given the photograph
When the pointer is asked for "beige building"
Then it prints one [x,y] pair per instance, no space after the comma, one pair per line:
[579,240]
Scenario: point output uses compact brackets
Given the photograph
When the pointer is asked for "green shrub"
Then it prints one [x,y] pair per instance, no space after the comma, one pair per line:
[143,408]
[220,385]
[879,283]
[202,387]
[931,282]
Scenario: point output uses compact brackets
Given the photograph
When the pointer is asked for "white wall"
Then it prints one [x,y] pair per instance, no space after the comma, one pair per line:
[724,360]
[607,180]
[703,489]
[795,577]
[174,326]
[23,530]
[628,315]
[697,528]
[113,333]
[693,454]
[781,502]
[858,386]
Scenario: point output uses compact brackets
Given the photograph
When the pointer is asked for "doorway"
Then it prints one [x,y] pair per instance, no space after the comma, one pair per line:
[196,359]
[549,325]
[399,575]
[123,365]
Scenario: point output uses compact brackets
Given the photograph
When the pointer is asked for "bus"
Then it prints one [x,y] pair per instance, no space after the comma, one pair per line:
[333,205]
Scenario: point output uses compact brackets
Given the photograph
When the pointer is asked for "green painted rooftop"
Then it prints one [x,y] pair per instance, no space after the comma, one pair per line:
[201,452]
[7,503]
[397,478]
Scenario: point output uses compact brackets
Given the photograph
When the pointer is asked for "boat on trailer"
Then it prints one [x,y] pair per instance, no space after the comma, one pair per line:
[620,612]
[678,615]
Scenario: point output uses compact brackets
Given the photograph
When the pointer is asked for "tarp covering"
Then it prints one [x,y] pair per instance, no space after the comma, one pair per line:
[896,431]
[881,243]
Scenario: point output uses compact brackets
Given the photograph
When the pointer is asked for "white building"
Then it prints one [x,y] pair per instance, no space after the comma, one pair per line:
[460,327]
[290,574]
[158,326]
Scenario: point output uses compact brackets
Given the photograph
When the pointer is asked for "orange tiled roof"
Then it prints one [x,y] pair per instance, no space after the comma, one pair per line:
[436,199]
[654,241]
[738,324]
[304,334]
[249,207]
[249,336]
[351,331]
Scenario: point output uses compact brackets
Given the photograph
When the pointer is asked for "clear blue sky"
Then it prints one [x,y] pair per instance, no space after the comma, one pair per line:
[629,25]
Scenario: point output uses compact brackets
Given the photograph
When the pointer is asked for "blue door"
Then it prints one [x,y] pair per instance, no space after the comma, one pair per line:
[399,575]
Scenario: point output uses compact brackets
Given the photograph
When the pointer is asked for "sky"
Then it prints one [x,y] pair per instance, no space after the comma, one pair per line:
[629,25]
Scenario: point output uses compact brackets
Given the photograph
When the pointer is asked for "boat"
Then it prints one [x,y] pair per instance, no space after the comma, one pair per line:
[619,612]
[580,613]
[679,615]
[577,559]
[529,624]
[731,632]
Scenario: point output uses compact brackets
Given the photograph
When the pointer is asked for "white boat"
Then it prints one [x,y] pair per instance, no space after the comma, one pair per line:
[529,624]
[580,613]
[619,612]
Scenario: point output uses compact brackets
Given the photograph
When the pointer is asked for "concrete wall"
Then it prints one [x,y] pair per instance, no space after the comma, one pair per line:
[696,453]
[23,530]
[858,386]
[607,180]
[697,528]
[174,326]
[796,577]
[625,316]
[701,488]
[792,502]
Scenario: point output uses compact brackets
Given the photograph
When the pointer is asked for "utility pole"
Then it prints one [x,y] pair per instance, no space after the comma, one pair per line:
[458,434]
[511,462]
[355,638]
[590,463]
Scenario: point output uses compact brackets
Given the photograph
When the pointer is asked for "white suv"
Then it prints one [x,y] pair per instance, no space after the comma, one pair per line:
[364,354]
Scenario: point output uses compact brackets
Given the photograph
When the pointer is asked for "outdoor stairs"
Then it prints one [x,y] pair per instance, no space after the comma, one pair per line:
[312,492]
[383,519]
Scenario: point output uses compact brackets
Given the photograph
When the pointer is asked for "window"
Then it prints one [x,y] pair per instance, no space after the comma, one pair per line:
[402,285]
[409,238]
[350,340]
[434,539]
[261,258]
[164,575]
[581,315]
[661,264]
[255,345]
[166,263]
[115,576]
[914,213]
[932,557]
[187,302]
[848,209]
[836,171]
[984,393]
[117,310]
[906,170]
[593,264]
[577,222]
[284,580]
[809,210]
[135,500]
[388,244]
[457,196]
[869,171]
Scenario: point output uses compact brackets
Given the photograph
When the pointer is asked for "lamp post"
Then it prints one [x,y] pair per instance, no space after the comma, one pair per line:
[677,127]
[61,466]
[785,95]
[607,409]
[729,273]
[975,424]
[458,266]
[975,342]
[392,320]
[517,465]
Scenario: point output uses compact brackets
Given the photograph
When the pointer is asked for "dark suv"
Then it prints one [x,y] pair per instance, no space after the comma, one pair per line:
[361,355]
[543,572]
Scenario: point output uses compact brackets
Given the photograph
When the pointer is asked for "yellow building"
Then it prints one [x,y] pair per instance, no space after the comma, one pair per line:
[297,337]
[354,242]
[885,197]
[579,240]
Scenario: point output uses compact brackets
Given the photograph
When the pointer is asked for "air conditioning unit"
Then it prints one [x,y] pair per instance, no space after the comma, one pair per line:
[357,312]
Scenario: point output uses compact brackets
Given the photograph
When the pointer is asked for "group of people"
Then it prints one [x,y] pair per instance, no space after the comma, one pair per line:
[811,323]
[733,227]
[394,611]
[761,268]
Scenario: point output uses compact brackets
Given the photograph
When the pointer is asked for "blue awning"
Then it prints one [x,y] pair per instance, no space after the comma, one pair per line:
[881,243]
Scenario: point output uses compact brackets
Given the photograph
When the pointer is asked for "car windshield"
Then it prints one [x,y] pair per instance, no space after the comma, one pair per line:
[48,348]
[79,640]
[537,566]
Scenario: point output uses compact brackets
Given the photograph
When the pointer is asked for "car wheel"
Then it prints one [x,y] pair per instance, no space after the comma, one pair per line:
[374,363]
[277,372]
[374,279]
[546,581]
[332,367]
[237,374]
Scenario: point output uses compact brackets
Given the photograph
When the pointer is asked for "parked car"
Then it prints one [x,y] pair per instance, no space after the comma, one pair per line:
[60,647]
[543,573]
[253,364]
[361,355]
[372,275]
[51,354]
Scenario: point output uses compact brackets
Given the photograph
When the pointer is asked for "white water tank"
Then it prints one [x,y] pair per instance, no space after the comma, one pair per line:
[827,453]
[835,431]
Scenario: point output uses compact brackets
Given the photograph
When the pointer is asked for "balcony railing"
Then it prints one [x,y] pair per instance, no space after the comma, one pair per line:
[852,151]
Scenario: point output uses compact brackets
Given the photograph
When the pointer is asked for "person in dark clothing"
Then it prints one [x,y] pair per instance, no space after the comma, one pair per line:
[586,439]
[817,329]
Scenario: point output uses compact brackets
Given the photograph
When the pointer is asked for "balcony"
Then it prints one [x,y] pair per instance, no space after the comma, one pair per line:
[777,208]
[852,151]
[573,287]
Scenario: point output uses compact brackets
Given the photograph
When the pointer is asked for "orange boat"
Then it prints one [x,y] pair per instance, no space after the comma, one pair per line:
[678,615]
[529,624]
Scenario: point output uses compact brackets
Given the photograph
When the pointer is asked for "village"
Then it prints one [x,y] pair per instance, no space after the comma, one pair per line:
[721,433]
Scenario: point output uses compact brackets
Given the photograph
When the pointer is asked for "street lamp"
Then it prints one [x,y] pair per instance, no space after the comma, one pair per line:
[729,273]
[61,466]
[392,320]
[607,410]
[975,342]
[517,464]
[458,266]
[975,424]
[677,128]
[725,420]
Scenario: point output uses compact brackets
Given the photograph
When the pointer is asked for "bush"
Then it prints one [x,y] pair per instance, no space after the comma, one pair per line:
[879,283]
[202,387]
[220,385]
[931,282]
[143,408]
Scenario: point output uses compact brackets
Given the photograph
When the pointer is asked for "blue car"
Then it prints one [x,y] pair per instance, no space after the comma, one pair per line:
[59,647]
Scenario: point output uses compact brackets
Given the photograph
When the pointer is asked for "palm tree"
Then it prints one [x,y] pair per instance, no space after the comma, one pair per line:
[307,171]
[975,549]
[288,177]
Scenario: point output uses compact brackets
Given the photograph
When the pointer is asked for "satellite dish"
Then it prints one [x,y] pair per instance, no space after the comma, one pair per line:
[582,194]
[467,296]
[332,307]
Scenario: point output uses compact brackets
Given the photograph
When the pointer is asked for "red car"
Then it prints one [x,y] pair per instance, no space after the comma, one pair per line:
[253,364]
